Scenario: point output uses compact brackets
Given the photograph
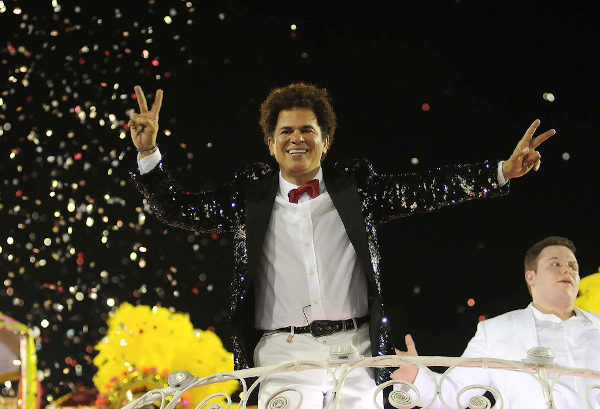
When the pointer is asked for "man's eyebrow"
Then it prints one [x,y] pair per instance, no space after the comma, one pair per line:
[302,127]
[557,257]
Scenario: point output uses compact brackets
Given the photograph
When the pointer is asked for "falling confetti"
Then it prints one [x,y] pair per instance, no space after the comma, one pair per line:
[77,241]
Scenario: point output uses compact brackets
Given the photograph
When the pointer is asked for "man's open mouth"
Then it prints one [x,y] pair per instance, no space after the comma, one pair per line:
[297,151]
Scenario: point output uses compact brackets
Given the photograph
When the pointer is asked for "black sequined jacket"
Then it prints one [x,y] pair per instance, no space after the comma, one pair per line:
[362,197]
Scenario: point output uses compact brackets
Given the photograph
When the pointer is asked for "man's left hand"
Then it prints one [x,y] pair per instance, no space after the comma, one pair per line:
[525,157]
[407,372]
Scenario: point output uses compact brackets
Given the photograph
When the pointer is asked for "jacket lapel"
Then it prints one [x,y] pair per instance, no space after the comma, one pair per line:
[344,194]
[592,317]
[259,206]
[524,325]
[343,191]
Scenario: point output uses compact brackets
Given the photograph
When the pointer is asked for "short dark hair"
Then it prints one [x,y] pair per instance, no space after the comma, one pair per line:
[531,256]
[298,95]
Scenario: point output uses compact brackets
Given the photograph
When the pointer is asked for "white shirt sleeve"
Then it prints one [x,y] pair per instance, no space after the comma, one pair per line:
[146,164]
[427,388]
[454,382]
[501,180]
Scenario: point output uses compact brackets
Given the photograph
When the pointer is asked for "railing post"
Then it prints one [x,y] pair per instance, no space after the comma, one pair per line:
[545,356]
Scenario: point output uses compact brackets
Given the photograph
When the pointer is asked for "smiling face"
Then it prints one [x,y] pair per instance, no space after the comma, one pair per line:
[297,145]
[555,283]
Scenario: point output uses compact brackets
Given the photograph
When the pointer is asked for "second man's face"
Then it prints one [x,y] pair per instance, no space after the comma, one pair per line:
[298,145]
[557,277]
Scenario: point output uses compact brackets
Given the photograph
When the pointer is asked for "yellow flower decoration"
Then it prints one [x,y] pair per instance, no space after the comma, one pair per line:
[589,293]
[144,344]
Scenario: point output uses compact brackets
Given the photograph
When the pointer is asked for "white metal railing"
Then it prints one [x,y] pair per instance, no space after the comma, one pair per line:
[538,363]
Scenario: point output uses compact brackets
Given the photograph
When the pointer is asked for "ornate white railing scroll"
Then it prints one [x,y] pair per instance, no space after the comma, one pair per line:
[538,364]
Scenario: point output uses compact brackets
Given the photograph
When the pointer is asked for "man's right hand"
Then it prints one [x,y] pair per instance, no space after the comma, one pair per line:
[407,373]
[144,126]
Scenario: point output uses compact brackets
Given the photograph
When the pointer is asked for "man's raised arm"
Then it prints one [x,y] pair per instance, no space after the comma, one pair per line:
[144,125]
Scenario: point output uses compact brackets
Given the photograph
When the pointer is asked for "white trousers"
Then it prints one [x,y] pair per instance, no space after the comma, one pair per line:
[315,385]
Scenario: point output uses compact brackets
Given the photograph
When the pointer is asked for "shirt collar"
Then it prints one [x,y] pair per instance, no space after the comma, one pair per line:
[542,316]
[285,186]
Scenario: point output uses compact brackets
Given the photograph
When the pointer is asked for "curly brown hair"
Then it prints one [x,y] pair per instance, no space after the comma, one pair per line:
[298,95]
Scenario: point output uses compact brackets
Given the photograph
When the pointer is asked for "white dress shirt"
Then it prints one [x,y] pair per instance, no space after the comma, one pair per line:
[308,268]
[575,343]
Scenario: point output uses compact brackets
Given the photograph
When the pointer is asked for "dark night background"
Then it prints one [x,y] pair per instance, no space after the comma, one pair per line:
[483,67]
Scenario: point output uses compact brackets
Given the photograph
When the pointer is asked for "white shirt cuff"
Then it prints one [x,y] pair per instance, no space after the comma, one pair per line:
[147,163]
[501,180]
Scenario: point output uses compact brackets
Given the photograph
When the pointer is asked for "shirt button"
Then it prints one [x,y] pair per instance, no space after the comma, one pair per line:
[304,215]
[315,301]
[307,244]
[311,272]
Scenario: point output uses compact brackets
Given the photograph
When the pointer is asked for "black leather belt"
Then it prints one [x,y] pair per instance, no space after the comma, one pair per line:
[321,328]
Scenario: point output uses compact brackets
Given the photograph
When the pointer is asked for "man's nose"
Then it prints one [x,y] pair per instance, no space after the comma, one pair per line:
[568,270]
[297,136]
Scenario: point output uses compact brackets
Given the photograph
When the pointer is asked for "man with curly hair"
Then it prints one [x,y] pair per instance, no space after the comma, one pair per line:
[306,259]
[551,320]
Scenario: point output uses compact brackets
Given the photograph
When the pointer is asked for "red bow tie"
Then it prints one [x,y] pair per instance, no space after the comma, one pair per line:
[310,187]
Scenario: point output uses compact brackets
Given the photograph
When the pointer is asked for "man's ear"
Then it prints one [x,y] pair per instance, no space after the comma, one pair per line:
[271,147]
[325,144]
[530,277]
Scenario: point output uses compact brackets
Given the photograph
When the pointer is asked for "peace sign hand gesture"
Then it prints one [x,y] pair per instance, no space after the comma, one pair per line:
[525,157]
[144,126]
